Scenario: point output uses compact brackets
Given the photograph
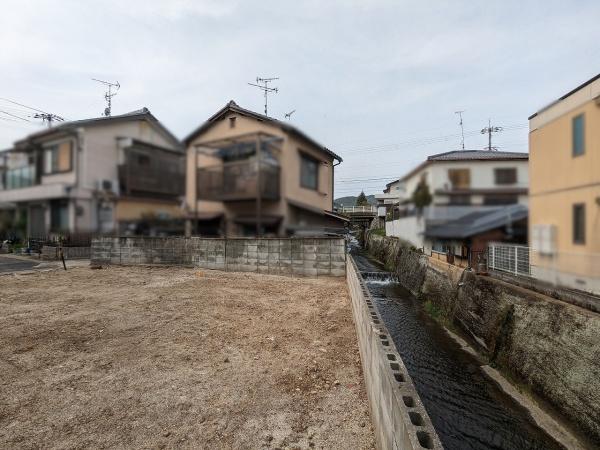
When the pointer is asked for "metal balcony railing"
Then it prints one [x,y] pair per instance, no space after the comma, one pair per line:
[239,180]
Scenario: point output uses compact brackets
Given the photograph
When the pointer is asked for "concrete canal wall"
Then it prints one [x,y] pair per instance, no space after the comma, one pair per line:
[547,346]
[399,418]
[286,256]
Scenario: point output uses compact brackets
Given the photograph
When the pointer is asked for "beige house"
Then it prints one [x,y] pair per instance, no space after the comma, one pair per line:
[96,175]
[228,192]
[564,148]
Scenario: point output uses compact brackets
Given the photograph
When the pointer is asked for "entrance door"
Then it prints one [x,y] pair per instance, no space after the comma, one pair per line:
[37,221]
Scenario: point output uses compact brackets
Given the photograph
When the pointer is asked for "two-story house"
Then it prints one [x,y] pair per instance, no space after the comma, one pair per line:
[95,175]
[459,183]
[249,174]
[564,147]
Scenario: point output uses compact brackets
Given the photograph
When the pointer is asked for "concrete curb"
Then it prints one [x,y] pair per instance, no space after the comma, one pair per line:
[399,418]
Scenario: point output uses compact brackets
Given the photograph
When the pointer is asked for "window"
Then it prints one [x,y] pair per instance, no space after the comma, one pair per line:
[232,122]
[58,158]
[505,175]
[309,172]
[59,215]
[459,178]
[579,135]
[579,223]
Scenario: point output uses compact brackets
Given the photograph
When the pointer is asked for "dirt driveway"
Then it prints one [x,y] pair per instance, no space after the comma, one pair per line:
[170,357]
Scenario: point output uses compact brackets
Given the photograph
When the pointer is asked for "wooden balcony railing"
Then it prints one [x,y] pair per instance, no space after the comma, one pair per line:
[238,180]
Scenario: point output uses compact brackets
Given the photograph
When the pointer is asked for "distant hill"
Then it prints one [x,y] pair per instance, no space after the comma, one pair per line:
[350,200]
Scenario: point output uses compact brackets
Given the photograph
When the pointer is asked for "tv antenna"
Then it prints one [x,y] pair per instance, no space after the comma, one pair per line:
[462,129]
[108,95]
[489,130]
[265,88]
[289,115]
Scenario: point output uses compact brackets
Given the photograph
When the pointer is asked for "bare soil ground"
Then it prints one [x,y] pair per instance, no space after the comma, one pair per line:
[144,357]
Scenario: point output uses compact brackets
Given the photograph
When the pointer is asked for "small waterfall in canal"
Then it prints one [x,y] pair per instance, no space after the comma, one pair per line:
[467,409]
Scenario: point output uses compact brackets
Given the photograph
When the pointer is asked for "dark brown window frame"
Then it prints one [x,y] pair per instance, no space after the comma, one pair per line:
[498,179]
[54,147]
[578,234]
[306,157]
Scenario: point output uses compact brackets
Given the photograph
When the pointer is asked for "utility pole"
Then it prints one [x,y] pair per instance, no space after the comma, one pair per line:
[48,118]
[258,189]
[462,129]
[489,130]
[266,89]
[108,95]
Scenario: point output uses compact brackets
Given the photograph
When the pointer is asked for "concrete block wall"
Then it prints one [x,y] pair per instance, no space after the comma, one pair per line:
[51,253]
[399,418]
[285,256]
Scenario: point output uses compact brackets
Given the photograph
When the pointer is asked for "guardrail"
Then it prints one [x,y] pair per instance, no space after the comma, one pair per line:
[358,209]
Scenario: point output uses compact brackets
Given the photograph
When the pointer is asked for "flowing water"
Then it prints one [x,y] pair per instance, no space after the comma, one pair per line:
[468,410]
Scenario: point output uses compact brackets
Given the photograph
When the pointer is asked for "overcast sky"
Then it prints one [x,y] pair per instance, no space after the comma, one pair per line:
[377,82]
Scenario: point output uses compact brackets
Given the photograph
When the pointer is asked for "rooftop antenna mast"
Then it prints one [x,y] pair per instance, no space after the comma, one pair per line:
[462,129]
[108,95]
[265,88]
[489,130]
[289,115]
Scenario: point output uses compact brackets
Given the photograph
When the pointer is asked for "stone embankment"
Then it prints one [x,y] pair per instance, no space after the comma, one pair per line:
[547,347]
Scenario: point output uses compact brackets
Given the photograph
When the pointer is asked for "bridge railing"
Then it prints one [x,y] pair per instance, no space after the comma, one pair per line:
[358,209]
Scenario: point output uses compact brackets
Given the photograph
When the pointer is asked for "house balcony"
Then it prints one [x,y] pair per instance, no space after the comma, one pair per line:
[239,181]
[34,192]
[135,180]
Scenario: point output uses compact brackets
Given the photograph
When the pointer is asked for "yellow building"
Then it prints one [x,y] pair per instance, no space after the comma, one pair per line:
[564,174]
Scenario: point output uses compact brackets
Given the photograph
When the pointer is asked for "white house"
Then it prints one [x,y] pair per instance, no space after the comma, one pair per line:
[460,182]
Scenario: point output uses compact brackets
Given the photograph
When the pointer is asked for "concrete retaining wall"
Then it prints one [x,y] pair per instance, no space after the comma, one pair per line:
[286,256]
[550,347]
[398,415]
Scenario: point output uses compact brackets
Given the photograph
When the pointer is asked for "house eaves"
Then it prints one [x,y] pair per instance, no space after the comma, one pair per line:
[286,127]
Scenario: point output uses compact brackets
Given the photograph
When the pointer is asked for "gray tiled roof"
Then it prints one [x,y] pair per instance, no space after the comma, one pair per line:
[468,155]
[139,114]
[478,222]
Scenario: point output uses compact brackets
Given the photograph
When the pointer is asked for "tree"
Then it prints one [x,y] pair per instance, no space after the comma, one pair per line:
[421,196]
[361,200]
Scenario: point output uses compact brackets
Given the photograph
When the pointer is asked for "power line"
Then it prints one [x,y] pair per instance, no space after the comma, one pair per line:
[266,89]
[24,106]
[422,141]
[15,116]
[45,116]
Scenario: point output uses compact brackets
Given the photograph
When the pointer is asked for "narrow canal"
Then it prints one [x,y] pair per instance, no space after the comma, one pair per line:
[468,410]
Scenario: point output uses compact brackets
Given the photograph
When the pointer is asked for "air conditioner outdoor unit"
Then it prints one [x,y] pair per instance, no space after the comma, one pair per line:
[108,186]
[543,239]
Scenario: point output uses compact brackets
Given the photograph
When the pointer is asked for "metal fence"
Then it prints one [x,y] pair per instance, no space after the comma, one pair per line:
[358,209]
[509,258]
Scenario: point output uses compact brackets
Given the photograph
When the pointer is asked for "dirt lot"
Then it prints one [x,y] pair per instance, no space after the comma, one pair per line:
[164,357]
